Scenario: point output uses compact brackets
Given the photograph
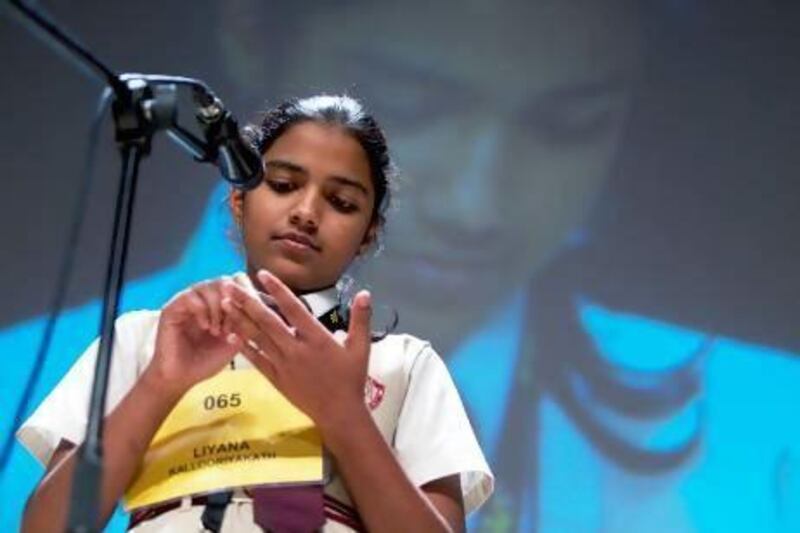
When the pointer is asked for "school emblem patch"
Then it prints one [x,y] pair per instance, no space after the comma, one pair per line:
[373,392]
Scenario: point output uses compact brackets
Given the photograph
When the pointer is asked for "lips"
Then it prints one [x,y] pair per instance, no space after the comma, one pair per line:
[298,238]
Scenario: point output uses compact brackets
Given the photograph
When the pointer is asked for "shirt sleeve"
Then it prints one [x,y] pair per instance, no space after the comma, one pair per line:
[434,438]
[64,412]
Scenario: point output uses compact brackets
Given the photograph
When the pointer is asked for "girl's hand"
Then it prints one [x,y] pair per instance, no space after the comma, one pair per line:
[322,376]
[191,339]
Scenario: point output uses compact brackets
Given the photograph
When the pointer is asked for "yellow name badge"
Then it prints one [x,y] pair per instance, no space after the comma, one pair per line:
[232,430]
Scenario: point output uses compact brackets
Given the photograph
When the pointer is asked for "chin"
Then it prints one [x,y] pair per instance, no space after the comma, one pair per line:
[296,277]
[304,281]
[300,283]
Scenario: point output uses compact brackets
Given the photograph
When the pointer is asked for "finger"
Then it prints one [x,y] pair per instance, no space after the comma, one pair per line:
[267,320]
[225,292]
[258,357]
[197,307]
[224,285]
[241,324]
[210,293]
[243,280]
[359,330]
[237,320]
[289,305]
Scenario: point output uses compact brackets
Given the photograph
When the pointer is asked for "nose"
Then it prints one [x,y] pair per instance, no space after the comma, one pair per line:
[305,213]
[463,201]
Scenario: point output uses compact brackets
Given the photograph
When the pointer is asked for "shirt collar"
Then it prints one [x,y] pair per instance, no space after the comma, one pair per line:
[322,301]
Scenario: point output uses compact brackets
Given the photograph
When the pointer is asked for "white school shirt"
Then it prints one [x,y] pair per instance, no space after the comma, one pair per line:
[410,393]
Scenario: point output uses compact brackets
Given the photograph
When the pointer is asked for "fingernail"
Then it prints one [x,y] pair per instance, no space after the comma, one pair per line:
[265,276]
[364,299]
[231,338]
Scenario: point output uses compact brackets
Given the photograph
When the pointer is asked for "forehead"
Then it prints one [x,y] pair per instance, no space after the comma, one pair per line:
[322,150]
[509,49]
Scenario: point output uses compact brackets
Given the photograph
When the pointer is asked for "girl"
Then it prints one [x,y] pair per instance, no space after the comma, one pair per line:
[405,459]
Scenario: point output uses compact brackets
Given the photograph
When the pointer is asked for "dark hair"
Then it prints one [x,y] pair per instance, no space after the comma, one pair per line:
[342,111]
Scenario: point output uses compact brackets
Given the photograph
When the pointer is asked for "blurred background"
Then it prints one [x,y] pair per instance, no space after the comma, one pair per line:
[596,226]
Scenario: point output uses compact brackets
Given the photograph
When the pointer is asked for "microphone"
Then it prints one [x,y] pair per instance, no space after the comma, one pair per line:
[237,159]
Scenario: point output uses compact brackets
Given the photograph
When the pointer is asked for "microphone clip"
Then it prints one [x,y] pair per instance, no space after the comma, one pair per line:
[237,159]
[142,109]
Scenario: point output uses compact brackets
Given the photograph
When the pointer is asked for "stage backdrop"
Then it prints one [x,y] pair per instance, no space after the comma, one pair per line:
[595,225]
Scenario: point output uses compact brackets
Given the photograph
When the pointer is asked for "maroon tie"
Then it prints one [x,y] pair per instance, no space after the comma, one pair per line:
[297,509]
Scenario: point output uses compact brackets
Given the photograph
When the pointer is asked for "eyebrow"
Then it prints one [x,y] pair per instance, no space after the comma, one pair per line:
[426,77]
[584,91]
[294,167]
[461,97]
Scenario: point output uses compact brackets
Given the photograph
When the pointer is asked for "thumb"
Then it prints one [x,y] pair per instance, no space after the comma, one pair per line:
[358,331]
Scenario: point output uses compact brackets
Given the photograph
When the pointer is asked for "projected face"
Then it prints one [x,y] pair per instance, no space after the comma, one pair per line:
[504,119]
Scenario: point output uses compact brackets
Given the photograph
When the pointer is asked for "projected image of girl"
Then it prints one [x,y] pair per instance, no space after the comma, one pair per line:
[508,118]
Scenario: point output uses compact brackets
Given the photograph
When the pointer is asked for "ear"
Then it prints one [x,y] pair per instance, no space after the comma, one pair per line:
[236,205]
[370,237]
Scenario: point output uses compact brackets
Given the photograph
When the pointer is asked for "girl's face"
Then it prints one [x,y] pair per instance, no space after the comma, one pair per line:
[312,214]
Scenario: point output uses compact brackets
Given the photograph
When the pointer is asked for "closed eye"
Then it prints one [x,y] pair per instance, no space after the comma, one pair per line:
[342,205]
[281,186]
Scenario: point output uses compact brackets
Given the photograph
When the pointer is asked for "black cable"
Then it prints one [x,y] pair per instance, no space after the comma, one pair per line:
[65,273]
[40,24]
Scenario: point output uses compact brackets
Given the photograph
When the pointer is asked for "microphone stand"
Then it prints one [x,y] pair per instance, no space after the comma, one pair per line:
[142,105]
[134,137]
